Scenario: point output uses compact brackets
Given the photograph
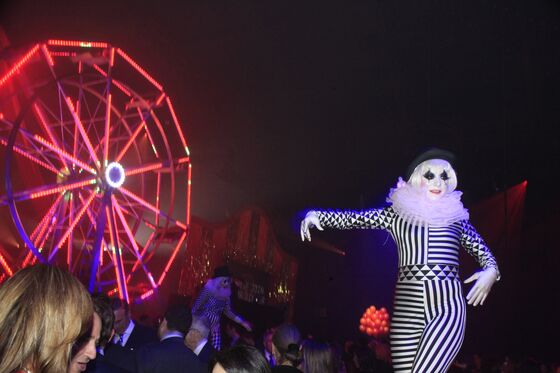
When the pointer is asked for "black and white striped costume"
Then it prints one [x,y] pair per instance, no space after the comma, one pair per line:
[428,323]
[209,306]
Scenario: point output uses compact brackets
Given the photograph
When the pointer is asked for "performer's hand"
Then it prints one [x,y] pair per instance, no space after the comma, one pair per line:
[400,183]
[247,326]
[310,220]
[484,281]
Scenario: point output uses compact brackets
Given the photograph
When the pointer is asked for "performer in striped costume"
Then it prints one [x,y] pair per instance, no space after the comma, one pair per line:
[215,299]
[428,222]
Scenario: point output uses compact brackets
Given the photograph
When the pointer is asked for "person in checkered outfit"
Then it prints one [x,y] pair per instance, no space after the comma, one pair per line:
[429,224]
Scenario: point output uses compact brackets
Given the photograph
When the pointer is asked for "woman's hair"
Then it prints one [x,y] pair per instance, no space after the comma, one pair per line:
[241,359]
[318,358]
[416,176]
[102,307]
[44,311]
[286,340]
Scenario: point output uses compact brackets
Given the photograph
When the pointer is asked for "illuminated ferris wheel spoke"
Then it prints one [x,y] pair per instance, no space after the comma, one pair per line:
[73,225]
[132,240]
[151,207]
[65,155]
[131,140]
[47,190]
[137,263]
[41,117]
[82,131]
[32,158]
[117,252]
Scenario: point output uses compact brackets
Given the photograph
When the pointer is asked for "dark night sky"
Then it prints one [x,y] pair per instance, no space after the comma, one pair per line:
[288,105]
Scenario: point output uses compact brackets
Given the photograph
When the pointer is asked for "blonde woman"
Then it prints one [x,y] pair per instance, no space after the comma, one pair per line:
[44,314]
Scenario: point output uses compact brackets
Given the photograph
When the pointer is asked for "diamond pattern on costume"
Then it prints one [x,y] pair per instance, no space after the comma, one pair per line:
[372,218]
[427,272]
[475,245]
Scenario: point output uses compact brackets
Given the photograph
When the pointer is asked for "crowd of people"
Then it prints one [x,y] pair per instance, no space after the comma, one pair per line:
[50,323]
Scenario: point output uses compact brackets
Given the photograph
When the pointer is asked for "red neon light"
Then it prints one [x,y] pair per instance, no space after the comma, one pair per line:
[82,130]
[176,121]
[170,261]
[30,157]
[5,265]
[107,128]
[130,237]
[158,188]
[63,54]
[72,225]
[70,237]
[81,44]
[46,128]
[111,57]
[148,243]
[150,206]
[19,64]
[47,55]
[118,267]
[63,154]
[139,170]
[139,69]
[62,188]
[130,141]
[189,182]
[147,294]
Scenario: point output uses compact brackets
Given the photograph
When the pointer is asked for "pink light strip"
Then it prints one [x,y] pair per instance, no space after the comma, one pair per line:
[57,189]
[148,131]
[189,183]
[107,129]
[71,236]
[64,154]
[119,268]
[172,258]
[6,266]
[147,294]
[146,246]
[140,170]
[130,141]
[30,157]
[139,69]
[19,64]
[75,43]
[38,112]
[176,121]
[114,82]
[131,239]
[149,206]
[72,225]
[158,188]
[47,55]
[82,130]
[63,54]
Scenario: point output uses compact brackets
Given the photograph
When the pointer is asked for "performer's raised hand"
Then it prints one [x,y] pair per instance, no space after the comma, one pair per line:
[310,220]
[484,281]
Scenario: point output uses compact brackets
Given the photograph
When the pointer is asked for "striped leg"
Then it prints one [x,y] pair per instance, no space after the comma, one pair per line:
[407,324]
[444,333]
[216,337]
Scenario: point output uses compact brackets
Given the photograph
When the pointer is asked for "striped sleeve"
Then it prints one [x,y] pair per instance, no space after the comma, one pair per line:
[475,245]
[350,219]
[200,301]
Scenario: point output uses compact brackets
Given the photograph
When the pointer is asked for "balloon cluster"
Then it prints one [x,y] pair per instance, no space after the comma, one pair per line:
[375,322]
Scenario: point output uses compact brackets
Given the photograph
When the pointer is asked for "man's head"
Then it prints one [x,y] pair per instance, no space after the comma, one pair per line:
[199,330]
[86,349]
[121,312]
[102,306]
[177,318]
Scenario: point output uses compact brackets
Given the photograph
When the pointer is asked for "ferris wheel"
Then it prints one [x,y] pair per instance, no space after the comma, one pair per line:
[95,162]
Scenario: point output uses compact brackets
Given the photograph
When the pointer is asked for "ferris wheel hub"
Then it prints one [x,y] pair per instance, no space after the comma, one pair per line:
[114,175]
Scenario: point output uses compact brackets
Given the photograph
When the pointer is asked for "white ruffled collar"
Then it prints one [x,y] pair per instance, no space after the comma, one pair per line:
[414,206]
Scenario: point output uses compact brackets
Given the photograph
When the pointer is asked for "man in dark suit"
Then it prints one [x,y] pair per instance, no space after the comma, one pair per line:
[197,339]
[129,337]
[170,354]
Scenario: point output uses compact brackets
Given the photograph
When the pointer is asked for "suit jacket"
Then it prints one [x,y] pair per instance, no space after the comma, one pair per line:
[100,365]
[167,356]
[206,353]
[124,356]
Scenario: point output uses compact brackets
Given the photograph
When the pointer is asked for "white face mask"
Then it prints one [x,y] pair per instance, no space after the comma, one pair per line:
[435,180]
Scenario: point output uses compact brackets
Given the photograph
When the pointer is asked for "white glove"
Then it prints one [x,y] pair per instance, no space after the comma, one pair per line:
[484,281]
[310,220]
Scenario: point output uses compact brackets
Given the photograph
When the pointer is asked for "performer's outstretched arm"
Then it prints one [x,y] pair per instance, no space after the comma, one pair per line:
[475,245]
[232,316]
[200,300]
[348,219]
